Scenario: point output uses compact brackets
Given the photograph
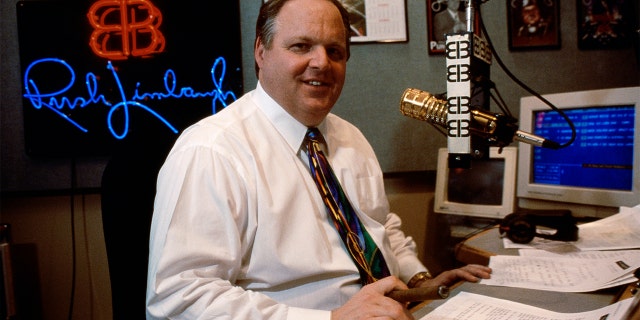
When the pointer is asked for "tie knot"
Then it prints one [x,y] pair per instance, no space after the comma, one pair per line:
[314,134]
[314,137]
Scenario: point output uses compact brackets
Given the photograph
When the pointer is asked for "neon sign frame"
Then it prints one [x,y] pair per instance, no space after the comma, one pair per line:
[76,102]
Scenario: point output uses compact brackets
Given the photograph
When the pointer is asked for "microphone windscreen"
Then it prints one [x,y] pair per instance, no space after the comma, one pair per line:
[422,105]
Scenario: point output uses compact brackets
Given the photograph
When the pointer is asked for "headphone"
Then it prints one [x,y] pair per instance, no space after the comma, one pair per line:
[521,226]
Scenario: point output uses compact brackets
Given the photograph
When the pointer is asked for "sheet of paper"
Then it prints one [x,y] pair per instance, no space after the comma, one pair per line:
[633,255]
[469,306]
[630,256]
[619,231]
[559,273]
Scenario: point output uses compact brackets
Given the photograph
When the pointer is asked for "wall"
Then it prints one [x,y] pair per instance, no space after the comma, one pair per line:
[44,230]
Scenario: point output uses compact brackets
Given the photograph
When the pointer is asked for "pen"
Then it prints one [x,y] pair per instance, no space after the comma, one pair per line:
[419,294]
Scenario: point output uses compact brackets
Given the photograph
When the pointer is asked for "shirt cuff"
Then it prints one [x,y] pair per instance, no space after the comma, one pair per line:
[307,314]
[409,269]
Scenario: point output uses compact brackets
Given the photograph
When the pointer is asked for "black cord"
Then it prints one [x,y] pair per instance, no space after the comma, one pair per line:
[73,237]
[498,101]
[503,106]
[444,133]
[489,225]
[522,84]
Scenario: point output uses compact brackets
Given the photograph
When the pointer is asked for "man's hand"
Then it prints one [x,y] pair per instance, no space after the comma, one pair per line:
[470,272]
[371,302]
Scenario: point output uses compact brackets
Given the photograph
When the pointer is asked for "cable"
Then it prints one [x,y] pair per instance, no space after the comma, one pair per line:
[73,237]
[439,129]
[86,240]
[503,106]
[523,85]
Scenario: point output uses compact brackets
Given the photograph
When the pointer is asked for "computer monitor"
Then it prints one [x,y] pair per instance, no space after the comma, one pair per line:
[599,172]
[486,190]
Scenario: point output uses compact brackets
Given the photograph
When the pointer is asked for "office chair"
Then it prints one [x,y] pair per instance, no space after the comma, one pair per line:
[128,192]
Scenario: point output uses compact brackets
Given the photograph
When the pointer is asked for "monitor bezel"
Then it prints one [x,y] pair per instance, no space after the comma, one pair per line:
[583,201]
[444,206]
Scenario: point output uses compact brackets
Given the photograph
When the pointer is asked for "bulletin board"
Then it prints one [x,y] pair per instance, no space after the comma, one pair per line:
[97,73]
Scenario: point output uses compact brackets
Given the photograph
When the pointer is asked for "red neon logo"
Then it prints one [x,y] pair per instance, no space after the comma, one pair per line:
[124,28]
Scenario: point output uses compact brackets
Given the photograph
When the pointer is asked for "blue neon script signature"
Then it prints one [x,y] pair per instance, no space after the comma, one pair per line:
[57,102]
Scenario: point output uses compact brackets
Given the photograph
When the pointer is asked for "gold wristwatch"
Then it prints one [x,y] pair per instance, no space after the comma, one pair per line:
[419,277]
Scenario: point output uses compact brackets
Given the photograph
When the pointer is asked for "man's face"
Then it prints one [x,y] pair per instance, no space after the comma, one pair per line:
[530,14]
[304,70]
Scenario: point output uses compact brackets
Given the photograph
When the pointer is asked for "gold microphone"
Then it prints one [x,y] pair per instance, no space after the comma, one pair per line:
[422,105]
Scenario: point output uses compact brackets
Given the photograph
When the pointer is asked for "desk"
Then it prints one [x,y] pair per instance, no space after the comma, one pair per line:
[479,248]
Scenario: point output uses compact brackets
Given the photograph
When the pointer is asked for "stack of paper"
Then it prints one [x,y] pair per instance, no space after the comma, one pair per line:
[562,273]
[471,306]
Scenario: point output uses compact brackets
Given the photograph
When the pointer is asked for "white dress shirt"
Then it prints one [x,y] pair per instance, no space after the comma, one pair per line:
[240,231]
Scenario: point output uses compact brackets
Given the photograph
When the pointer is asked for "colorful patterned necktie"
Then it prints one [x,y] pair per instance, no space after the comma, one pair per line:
[363,250]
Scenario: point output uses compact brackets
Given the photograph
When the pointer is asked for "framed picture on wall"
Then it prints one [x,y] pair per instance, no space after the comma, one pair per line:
[446,16]
[376,20]
[606,24]
[533,24]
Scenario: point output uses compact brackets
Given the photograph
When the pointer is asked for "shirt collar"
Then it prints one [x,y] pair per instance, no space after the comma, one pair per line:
[291,129]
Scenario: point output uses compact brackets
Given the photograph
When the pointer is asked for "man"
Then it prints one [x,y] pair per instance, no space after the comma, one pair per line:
[533,23]
[451,20]
[240,229]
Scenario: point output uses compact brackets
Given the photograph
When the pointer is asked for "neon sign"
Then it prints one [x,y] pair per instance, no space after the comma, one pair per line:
[126,27]
[56,102]
[104,74]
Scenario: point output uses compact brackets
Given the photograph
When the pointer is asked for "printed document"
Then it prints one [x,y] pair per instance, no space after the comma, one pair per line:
[470,306]
[561,274]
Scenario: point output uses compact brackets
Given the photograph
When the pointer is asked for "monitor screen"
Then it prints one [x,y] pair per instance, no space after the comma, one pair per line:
[482,185]
[584,164]
[598,172]
[485,190]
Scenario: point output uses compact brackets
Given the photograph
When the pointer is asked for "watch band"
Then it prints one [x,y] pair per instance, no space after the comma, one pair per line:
[419,277]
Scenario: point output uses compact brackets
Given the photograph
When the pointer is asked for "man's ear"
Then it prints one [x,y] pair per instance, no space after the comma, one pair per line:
[258,51]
